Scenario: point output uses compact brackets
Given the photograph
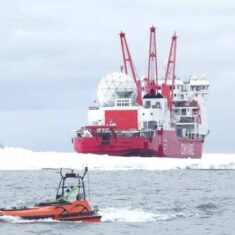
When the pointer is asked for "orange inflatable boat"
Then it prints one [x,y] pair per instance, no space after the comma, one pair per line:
[61,208]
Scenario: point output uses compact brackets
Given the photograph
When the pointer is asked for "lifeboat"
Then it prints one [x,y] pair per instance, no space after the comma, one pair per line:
[62,208]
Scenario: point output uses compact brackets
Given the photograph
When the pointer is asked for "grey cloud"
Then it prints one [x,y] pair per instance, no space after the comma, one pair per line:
[53,53]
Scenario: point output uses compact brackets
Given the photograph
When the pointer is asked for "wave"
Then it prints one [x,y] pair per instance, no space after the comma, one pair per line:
[23,159]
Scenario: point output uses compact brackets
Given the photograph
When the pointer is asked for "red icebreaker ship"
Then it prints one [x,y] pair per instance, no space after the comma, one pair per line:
[150,117]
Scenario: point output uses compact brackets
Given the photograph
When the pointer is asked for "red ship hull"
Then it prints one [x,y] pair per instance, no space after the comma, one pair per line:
[163,144]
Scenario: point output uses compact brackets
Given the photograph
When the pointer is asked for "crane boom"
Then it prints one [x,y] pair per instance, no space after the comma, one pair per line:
[127,60]
[168,88]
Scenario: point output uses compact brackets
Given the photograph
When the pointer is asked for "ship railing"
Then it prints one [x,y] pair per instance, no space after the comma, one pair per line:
[194,92]
[192,136]
[93,108]
[195,136]
[84,133]
[128,133]
[189,134]
[187,120]
[185,104]
[91,131]
[147,133]
[135,133]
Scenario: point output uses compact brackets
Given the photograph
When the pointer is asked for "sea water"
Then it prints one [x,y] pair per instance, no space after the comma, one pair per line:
[134,195]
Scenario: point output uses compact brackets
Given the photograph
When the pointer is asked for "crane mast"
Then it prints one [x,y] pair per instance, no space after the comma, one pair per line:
[128,63]
[152,78]
[167,87]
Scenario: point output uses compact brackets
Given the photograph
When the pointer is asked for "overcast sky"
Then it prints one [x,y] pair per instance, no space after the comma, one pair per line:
[54,52]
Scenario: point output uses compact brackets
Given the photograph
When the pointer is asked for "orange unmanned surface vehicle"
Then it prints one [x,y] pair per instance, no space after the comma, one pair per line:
[61,209]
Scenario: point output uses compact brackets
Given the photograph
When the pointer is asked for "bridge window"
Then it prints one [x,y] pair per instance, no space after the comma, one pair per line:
[183,111]
[147,104]
[157,105]
[122,102]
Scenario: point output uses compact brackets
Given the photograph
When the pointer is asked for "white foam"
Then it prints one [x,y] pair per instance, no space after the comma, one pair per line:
[23,159]
[132,215]
[18,220]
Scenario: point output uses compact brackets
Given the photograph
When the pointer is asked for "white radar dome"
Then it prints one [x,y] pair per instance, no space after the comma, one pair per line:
[114,86]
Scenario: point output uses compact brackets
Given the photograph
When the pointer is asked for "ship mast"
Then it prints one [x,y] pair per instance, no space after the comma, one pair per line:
[127,61]
[167,88]
[152,78]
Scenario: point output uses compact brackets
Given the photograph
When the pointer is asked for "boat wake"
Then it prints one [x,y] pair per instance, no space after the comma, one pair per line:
[23,159]
[132,215]
[18,220]
[127,215]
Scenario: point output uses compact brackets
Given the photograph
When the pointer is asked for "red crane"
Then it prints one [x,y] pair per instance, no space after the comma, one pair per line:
[152,78]
[127,60]
[167,88]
